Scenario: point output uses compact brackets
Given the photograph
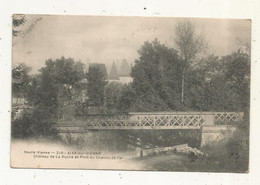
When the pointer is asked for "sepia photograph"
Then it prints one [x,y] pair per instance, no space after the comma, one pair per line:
[130,93]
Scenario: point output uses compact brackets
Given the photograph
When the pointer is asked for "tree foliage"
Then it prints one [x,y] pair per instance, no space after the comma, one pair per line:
[213,84]
[219,83]
[189,45]
[188,42]
[33,123]
[21,80]
[49,94]
[156,78]
[96,86]
[230,87]
[57,85]
[18,20]
[113,93]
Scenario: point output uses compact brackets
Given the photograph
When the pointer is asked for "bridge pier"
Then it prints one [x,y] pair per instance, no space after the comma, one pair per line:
[210,134]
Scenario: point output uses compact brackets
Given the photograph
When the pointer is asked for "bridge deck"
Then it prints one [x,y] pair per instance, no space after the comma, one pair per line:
[158,120]
[78,129]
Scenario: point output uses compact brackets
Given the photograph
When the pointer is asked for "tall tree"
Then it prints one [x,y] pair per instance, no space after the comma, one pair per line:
[113,93]
[237,79]
[50,93]
[96,86]
[189,45]
[56,85]
[156,78]
[228,82]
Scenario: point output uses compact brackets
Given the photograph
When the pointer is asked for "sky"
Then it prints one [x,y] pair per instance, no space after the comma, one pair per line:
[104,39]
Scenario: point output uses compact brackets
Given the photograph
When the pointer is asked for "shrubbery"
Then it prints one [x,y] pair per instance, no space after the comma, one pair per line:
[230,154]
[33,123]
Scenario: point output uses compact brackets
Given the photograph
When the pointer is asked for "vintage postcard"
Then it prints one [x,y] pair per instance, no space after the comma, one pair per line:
[130,93]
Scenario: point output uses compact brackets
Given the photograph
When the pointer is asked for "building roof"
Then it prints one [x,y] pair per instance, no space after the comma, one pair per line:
[113,75]
[124,69]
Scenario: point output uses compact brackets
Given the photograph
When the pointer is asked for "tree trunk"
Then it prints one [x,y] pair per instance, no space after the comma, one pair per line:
[182,86]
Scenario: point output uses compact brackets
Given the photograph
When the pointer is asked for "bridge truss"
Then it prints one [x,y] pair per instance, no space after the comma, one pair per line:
[152,120]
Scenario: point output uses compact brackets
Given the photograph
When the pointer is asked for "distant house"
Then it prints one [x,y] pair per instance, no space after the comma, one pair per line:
[18,101]
[124,70]
[122,75]
[101,67]
[113,75]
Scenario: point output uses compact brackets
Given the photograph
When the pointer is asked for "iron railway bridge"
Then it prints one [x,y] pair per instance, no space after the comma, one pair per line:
[148,120]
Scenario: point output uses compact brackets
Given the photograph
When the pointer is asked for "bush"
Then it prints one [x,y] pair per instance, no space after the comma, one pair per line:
[230,154]
[33,123]
[77,142]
